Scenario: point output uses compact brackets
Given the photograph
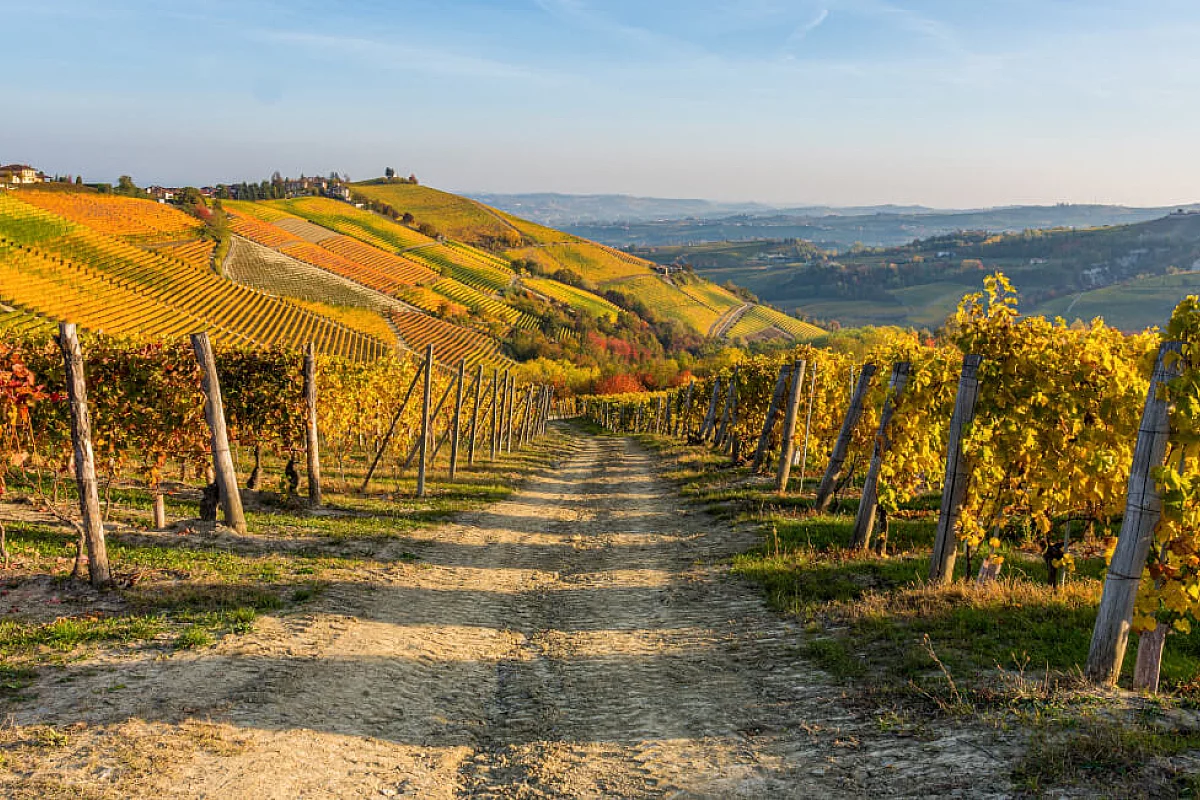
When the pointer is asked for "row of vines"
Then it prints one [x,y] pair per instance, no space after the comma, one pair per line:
[1037,419]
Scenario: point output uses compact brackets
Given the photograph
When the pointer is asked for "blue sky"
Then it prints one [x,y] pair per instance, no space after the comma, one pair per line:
[836,101]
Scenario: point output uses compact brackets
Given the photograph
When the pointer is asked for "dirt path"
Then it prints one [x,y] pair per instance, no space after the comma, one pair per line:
[727,320]
[582,639]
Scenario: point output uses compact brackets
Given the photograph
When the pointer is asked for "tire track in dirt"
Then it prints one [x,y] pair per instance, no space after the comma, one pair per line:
[581,639]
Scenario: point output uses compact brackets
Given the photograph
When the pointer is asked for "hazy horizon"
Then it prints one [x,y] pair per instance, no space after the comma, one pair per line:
[841,102]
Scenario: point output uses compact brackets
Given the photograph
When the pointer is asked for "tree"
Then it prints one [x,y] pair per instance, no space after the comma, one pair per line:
[125,185]
[412,179]
[79,180]
[389,173]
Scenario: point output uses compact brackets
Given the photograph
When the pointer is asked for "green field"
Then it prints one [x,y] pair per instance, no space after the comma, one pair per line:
[1132,306]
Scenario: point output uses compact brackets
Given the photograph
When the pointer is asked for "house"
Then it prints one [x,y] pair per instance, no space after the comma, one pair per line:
[20,174]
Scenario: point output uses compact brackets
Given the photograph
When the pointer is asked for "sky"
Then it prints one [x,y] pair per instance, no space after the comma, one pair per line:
[947,103]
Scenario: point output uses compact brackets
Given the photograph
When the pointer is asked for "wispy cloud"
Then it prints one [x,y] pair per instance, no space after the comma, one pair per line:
[402,56]
[802,32]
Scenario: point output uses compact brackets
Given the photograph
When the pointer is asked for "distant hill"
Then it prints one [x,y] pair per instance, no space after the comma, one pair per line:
[842,228]
[560,210]
[692,302]
[1130,274]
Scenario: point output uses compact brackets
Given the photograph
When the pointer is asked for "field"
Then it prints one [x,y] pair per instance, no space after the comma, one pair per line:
[130,219]
[67,271]
[1131,306]
[763,322]
[573,296]
[345,219]
[669,302]
[450,342]
[271,271]
[455,217]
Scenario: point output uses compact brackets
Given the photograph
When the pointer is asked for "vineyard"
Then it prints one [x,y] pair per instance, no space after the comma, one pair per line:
[67,271]
[452,341]
[1034,437]
[573,297]
[765,322]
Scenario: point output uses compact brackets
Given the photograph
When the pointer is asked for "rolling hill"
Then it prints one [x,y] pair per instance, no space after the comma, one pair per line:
[1132,275]
[357,282]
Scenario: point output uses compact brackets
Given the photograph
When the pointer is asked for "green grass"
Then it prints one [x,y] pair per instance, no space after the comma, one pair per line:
[872,616]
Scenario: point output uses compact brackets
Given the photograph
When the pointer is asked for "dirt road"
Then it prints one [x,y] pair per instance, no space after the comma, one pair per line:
[582,639]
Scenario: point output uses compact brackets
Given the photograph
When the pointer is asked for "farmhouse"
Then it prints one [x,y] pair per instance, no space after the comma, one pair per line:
[20,174]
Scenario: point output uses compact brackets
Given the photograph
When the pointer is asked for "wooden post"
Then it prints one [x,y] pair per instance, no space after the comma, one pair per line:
[456,422]
[475,416]
[789,428]
[494,442]
[687,408]
[668,422]
[509,413]
[387,437]
[838,457]
[954,488]
[812,395]
[764,439]
[868,505]
[99,572]
[1143,506]
[426,427]
[727,412]
[1149,658]
[433,415]
[214,411]
[311,442]
[527,425]
[158,510]
[711,416]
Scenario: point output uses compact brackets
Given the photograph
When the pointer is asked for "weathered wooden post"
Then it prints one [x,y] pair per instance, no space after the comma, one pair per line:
[99,573]
[789,428]
[668,422]
[214,411]
[710,417]
[494,443]
[1143,507]
[508,413]
[456,423]
[687,409]
[437,409]
[475,416]
[311,442]
[764,439]
[838,457]
[387,437]
[954,488]
[868,506]
[426,401]
[812,395]
[727,411]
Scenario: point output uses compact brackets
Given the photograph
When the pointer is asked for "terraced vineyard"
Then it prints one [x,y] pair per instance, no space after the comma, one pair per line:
[64,270]
[402,269]
[481,303]
[462,266]
[127,218]
[711,295]
[450,342]
[576,298]
[345,219]
[763,322]
[591,261]
[18,324]
[198,253]
[453,216]
[670,302]
[271,271]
